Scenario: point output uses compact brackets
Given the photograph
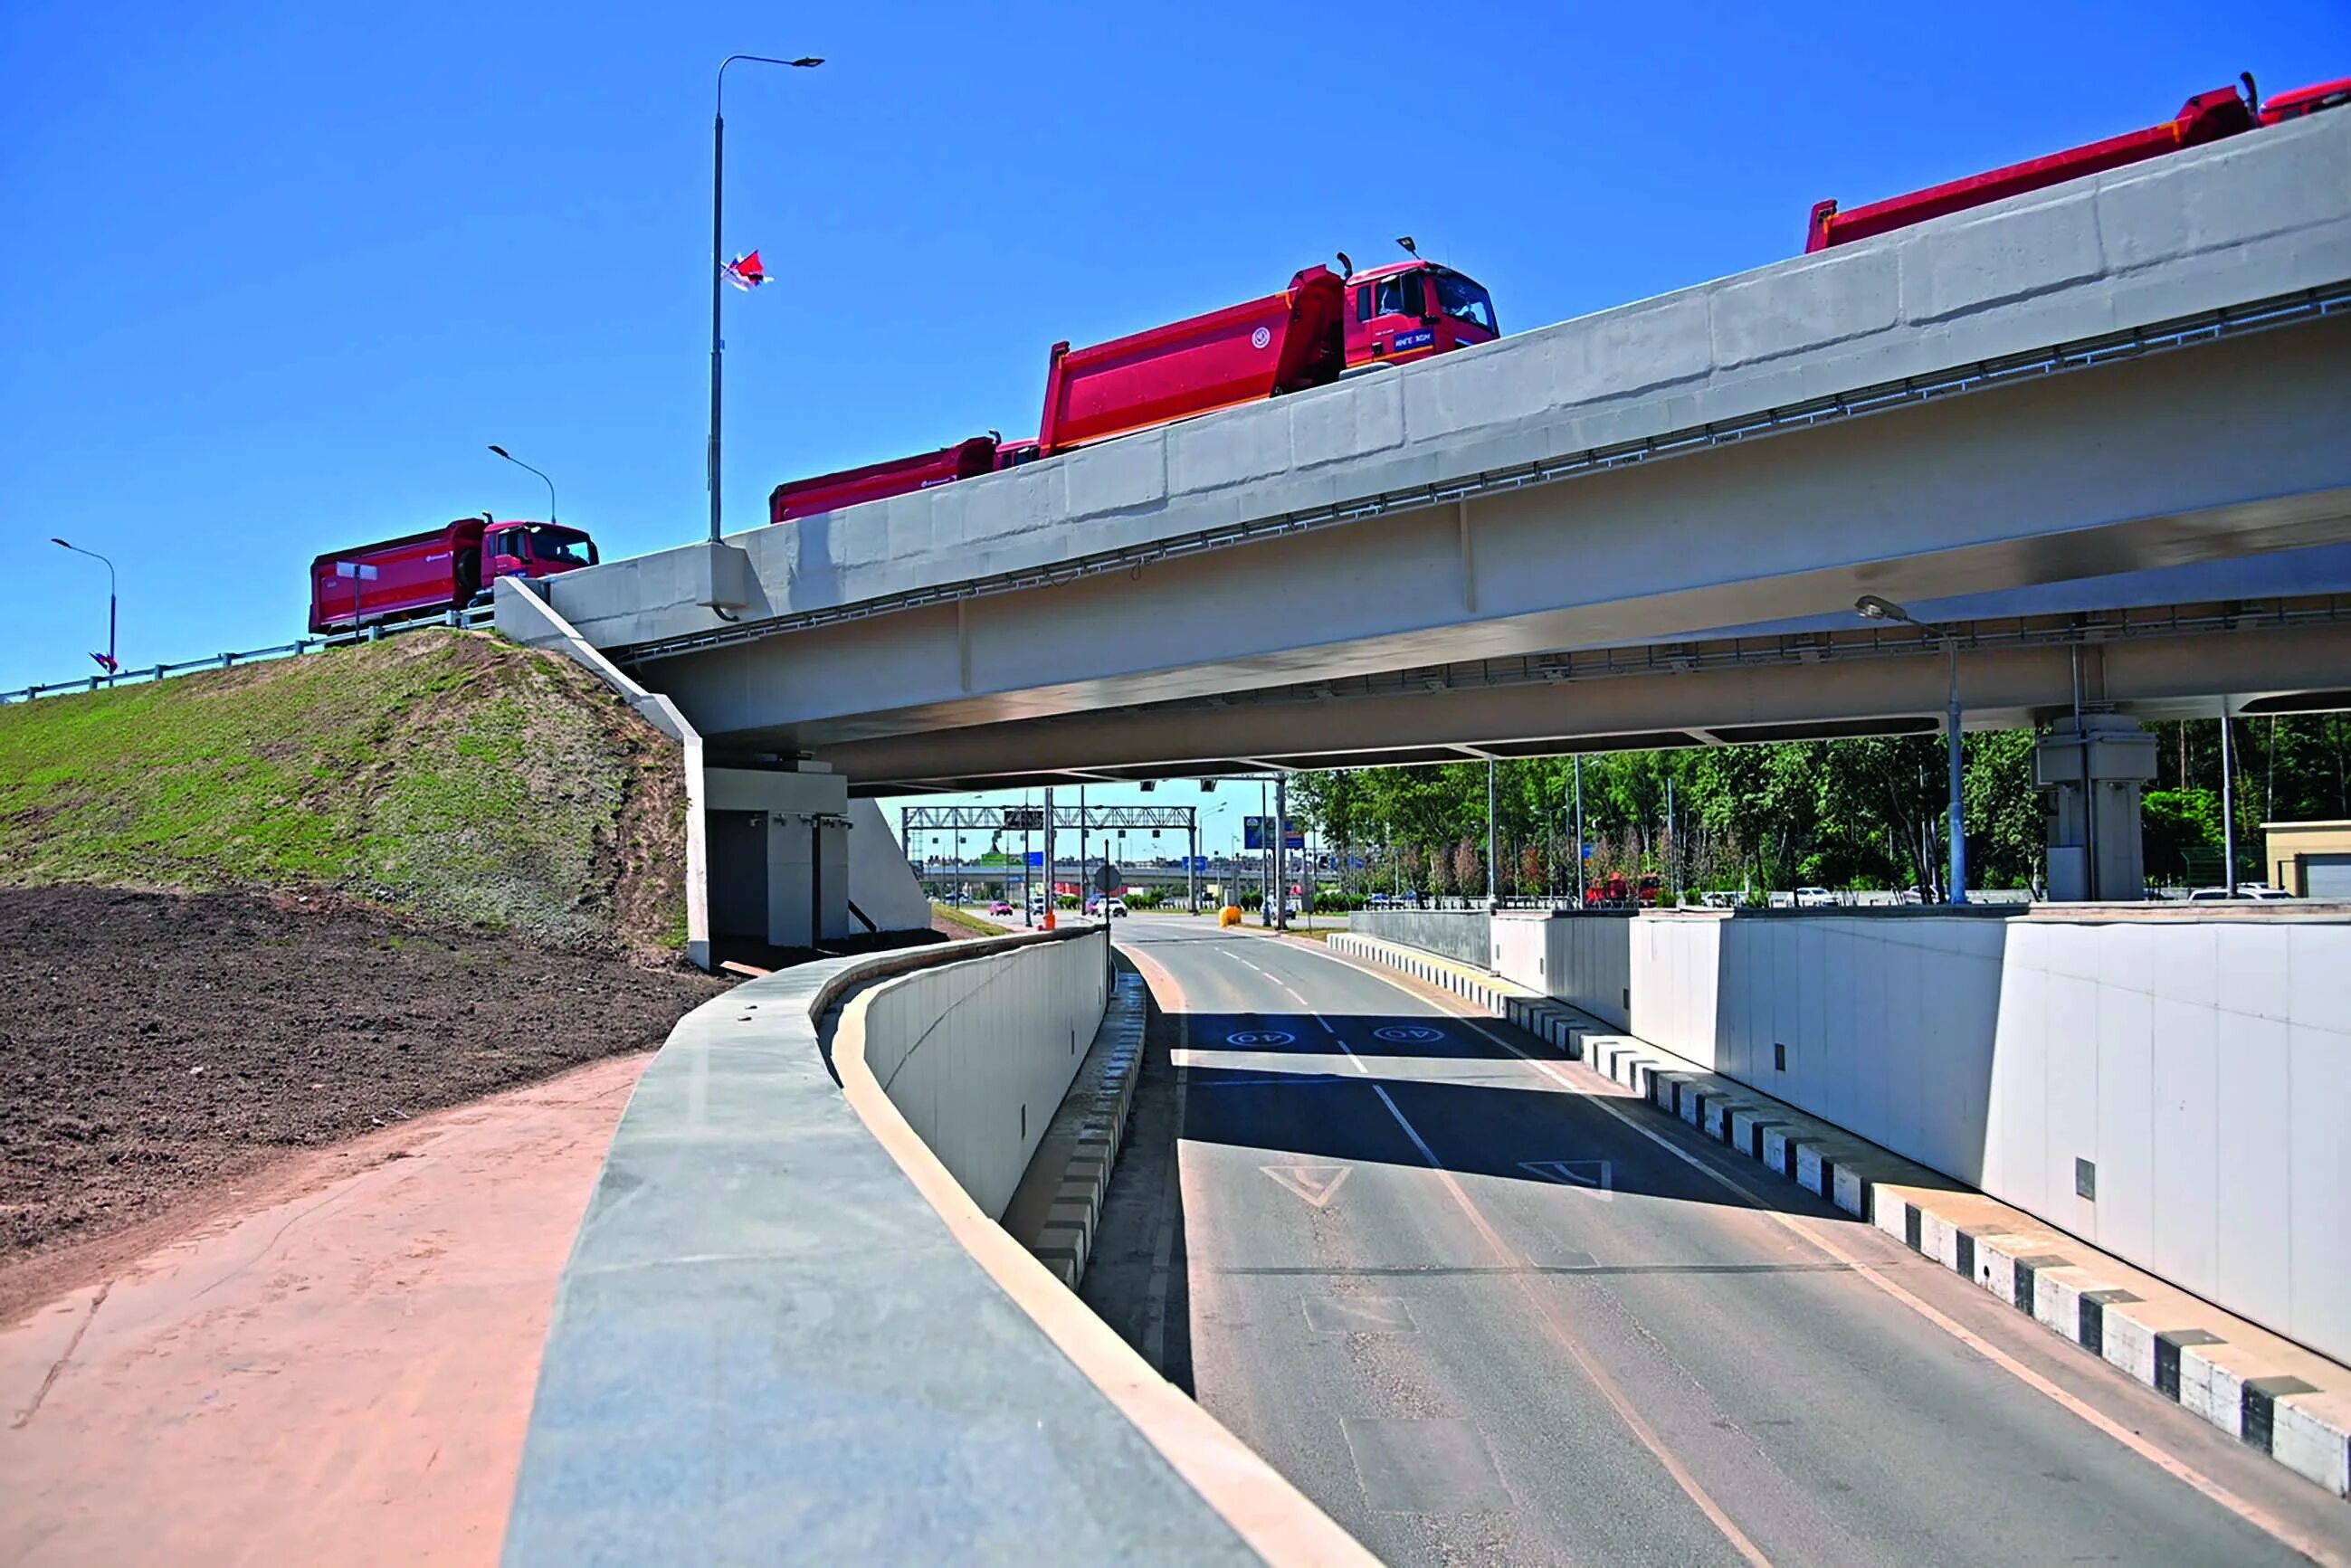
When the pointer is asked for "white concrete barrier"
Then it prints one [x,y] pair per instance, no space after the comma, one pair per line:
[1582,958]
[977,1055]
[2169,1085]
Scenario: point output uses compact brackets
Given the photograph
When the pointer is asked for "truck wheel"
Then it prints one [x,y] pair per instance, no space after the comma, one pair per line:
[469,577]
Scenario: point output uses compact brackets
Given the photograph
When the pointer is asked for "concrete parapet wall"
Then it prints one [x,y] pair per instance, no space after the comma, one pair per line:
[786,1334]
[1463,933]
[977,1055]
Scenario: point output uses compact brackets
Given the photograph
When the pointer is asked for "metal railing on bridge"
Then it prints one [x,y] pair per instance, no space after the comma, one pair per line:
[472,615]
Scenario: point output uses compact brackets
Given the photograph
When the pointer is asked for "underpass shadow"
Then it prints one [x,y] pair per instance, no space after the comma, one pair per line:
[1296,1096]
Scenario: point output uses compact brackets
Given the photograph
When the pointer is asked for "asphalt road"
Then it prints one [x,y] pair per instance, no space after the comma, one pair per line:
[1450,1286]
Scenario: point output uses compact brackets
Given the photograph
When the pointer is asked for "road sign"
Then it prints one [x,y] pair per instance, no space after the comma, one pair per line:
[1024,819]
[1108,878]
[1199,862]
[1037,858]
[1257,832]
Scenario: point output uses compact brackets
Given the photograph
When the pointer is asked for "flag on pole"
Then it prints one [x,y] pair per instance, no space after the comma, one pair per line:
[744,272]
[108,664]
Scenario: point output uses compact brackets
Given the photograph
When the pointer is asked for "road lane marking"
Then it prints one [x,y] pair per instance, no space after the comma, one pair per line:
[1409,1034]
[1591,1175]
[2178,1468]
[1359,1314]
[1592,1372]
[1318,1185]
[1250,1037]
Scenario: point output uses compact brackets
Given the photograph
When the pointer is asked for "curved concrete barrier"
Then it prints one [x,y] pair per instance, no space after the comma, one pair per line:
[787,1334]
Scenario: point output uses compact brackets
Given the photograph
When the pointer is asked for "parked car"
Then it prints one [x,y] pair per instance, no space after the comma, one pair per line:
[2258,892]
[1815,898]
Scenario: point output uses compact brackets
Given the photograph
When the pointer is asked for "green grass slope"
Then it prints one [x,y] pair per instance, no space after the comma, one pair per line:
[449,776]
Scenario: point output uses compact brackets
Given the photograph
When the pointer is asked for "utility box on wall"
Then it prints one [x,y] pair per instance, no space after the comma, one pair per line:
[2091,772]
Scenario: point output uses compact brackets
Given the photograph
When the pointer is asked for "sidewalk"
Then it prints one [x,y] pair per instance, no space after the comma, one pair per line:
[338,1373]
[2267,1391]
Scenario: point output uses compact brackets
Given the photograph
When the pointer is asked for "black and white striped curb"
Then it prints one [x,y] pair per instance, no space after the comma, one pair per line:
[2235,1387]
[1091,1121]
[1554,1024]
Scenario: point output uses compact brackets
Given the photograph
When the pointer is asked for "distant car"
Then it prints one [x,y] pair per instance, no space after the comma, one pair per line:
[1815,898]
[1001,906]
[1116,906]
[2257,892]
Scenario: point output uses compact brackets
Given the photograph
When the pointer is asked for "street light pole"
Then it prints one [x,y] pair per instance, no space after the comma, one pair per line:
[718,255]
[112,663]
[520,464]
[1870,607]
[1490,899]
[1579,830]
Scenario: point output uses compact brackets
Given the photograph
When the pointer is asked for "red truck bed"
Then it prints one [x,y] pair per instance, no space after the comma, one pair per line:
[2207,117]
[829,491]
[1284,342]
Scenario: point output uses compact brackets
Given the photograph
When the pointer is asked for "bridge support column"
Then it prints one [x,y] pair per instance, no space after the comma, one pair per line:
[2090,769]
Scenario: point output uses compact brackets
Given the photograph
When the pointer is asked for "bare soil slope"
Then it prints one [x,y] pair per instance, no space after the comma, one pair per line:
[153,1043]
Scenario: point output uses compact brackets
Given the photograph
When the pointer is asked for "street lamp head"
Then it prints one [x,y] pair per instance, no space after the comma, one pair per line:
[1870,607]
[501,452]
[55,540]
[807,62]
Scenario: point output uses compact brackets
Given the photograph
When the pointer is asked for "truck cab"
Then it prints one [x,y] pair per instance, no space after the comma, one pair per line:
[525,549]
[1411,310]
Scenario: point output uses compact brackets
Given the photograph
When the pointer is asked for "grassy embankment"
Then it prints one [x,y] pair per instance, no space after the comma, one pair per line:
[964,923]
[451,777]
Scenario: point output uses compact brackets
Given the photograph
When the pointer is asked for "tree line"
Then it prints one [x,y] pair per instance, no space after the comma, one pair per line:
[1862,813]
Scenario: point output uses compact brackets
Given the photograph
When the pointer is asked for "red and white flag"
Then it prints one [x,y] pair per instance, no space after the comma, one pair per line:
[106,664]
[744,272]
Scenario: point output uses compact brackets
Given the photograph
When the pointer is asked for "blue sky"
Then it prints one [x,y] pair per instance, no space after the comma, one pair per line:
[279,273]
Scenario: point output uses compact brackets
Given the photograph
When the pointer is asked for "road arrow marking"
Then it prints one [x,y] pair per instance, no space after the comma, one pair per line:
[1318,1185]
[1591,1175]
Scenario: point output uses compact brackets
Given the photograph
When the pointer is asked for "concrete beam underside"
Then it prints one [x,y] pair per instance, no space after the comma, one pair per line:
[2238,447]
[2002,688]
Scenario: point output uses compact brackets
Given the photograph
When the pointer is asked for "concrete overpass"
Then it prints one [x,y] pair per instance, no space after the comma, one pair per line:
[2107,416]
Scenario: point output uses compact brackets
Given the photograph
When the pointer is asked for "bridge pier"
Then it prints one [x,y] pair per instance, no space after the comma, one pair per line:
[2090,769]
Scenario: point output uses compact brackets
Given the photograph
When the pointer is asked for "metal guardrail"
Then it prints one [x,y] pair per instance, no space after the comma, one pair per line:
[472,615]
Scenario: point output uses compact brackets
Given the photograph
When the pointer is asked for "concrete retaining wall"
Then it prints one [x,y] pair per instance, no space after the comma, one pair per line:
[2199,1070]
[1581,959]
[978,1055]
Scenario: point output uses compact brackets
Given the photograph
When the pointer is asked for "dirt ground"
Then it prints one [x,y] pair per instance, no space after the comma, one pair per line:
[151,1044]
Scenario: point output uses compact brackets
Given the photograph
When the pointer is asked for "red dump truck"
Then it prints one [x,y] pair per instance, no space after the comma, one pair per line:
[445,568]
[1303,336]
[2207,117]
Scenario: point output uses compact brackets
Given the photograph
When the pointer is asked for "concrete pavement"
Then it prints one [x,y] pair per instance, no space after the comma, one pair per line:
[1476,1316]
